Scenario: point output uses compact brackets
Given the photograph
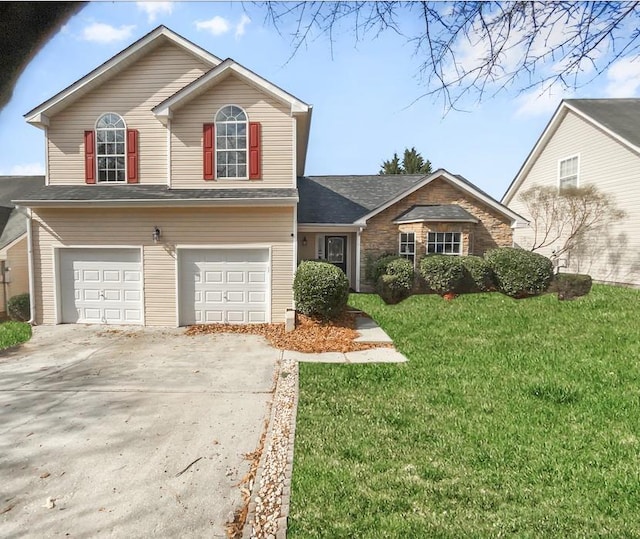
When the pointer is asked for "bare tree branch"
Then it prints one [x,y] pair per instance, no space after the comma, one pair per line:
[479,48]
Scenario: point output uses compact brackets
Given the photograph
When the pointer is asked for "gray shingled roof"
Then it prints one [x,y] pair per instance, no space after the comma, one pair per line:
[13,223]
[622,116]
[344,199]
[436,212]
[149,193]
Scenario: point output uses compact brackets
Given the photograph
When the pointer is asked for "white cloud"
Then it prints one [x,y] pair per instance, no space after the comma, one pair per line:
[240,27]
[217,26]
[541,101]
[153,9]
[98,32]
[624,78]
[29,169]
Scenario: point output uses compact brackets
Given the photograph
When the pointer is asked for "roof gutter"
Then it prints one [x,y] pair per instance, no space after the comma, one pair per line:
[160,203]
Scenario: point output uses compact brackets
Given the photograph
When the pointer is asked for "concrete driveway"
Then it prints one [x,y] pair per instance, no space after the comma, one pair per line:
[98,425]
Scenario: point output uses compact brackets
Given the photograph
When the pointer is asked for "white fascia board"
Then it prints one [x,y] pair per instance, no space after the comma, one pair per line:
[540,144]
[218,74]
[34,115]
[230,202]
[333,227]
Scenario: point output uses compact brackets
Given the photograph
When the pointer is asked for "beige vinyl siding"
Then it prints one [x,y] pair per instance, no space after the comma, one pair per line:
[132,93]
[614,169]
[277,136]
[17,277]
[132,227]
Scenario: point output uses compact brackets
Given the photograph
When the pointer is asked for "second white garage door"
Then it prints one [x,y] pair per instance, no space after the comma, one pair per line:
[223,286]
[100,286]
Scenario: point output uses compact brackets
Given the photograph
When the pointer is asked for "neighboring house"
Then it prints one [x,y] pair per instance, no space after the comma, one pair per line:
[14,271]
[590,142]
[172,188]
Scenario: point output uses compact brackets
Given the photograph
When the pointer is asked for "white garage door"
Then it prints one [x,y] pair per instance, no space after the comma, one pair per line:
[223,286]
[100,286]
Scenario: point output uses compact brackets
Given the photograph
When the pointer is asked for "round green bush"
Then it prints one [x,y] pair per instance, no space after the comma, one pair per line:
[377,267]
[19,308]
[479,274]
[442,273]
[519,273]
[396,284]
[320,289]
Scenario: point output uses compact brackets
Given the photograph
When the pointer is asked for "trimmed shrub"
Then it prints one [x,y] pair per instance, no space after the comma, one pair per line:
[19,308]
[396,284]
[571,285]
[479,274]
[320,289]
[377,267]
[519,273]
[442,273]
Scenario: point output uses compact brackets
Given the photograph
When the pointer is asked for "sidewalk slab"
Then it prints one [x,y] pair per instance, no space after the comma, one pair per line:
[376,355]
[370,332]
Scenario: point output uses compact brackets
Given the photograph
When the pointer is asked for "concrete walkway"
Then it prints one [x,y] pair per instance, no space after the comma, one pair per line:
[370,333]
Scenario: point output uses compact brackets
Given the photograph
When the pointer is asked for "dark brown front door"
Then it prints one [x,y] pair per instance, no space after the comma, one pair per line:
[335,248]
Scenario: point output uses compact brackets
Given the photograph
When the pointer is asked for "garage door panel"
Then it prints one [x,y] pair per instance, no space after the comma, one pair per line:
[223,285]
[100,286]
[90,276]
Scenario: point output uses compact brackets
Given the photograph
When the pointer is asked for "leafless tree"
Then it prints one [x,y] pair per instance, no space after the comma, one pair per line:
[479,48]
[567,218]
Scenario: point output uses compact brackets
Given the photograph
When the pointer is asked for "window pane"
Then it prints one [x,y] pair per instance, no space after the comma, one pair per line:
[242,158]
[221,158]
[242,171]
[231,158]
[221,143]
[242,143]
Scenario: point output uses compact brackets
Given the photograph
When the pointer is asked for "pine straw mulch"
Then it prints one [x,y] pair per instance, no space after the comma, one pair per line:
[311,335]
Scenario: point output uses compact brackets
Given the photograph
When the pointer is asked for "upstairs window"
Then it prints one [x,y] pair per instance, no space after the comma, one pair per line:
[111,153]
[231,143]
[445,243]
[568,173]
[408,246]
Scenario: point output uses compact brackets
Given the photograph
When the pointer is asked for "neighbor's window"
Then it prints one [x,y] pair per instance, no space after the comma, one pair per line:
[231,143]
[110,148]
[447,243]
[568,173]
[408,246]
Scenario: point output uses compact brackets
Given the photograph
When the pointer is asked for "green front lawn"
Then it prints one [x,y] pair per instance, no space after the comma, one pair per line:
[518,418]
[13,333]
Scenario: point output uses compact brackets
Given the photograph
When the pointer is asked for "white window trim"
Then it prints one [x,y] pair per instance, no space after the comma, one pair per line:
[95,130]
[559,179]
[215,145]
[415,243]
[426,243]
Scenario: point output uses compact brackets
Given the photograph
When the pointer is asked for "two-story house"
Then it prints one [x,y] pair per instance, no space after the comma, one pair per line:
[589,142]
[173,182]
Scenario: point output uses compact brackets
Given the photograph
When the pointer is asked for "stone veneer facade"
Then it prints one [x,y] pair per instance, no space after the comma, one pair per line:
[382,236]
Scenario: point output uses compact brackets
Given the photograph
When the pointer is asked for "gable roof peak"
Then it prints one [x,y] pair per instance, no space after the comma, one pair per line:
[39,115]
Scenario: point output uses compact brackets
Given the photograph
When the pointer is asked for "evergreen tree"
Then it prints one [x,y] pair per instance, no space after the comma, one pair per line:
[412,163]
[391,166]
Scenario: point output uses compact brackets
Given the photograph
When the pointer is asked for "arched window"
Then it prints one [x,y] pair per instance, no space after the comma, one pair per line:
[110,148]
[231,142]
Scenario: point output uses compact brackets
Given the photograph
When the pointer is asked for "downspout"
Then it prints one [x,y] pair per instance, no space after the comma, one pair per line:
[358,259]
[32,299]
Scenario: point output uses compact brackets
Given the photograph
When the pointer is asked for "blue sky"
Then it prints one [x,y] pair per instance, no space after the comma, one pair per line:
[363,93]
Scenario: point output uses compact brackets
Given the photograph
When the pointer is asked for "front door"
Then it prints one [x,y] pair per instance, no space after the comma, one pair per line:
[335,248]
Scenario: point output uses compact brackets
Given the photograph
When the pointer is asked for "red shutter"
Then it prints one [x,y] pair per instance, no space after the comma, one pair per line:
[208,149]
[132,156]
[89,157]
[255,170]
